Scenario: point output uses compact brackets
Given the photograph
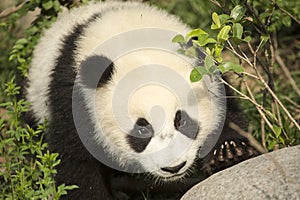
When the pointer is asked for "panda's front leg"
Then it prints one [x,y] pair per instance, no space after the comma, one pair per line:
[78,166]
[90,176]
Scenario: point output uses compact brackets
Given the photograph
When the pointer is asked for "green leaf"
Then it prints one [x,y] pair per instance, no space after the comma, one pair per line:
[214,26]
[208,51]
[238,12]
[18,46]
[71,187]
[229,66]
[247,39]
[22,41]
[209,62]
[56,6]
[286,20]
[190,52]
[211,40]
[218,50]
[277,130]
[47,5]
[178,39]
[223,18]
[237,29]
[264,39]
[223,34]
[197,73]
[216,21]
[282,140]
[195,33]
[202,40]
[270,114]
[32,30]
[264,15]
[21,60]
[236,2]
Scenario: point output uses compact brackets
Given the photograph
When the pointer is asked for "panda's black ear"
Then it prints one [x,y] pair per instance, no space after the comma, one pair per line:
[96,71]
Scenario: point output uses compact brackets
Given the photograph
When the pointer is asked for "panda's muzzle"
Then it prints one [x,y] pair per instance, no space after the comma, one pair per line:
[175,169]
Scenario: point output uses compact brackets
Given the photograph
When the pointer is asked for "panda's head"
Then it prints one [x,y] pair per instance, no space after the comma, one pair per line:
[147,111]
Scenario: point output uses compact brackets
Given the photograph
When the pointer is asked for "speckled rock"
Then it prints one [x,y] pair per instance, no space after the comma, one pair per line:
[274,175]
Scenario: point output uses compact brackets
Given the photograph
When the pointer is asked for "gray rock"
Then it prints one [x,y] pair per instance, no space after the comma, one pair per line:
[274,175]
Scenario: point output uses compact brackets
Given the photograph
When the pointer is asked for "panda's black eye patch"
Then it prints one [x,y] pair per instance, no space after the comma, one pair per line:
[186,125]
[140,136]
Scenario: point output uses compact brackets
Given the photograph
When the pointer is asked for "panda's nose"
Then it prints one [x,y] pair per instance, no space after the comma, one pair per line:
[174,169]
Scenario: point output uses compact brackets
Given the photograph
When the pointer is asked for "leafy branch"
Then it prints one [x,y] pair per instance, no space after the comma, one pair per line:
[234,32]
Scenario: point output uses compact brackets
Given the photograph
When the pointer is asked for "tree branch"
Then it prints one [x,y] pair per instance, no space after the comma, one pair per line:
[287,74]
[249,136]
[289,14]
[11,10]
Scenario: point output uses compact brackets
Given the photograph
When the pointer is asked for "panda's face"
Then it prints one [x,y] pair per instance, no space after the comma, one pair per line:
[153,115]
[163,133]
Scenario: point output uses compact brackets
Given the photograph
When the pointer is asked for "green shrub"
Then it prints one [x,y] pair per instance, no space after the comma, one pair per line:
[27,168]
[249,30]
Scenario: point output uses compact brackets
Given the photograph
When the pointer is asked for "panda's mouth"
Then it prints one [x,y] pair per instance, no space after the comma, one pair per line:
[173,169]
[174,177]
[174,172]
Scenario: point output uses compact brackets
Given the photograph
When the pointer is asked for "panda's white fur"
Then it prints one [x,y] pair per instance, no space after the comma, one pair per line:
[168,147]
[140,105]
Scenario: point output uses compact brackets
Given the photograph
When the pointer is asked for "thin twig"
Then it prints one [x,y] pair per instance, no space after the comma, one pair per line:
[11,10]
[280,122]
[287,74]
[259,108]
[216,3]
[279,102]
[242,52]
[237,54]
[272,54]
[263,120]
[242,95]
[250,75]
[289,14]
[253,65]
[292,102]
[249,136]
[270,16]
[270,90]
[263,132]
[252,11]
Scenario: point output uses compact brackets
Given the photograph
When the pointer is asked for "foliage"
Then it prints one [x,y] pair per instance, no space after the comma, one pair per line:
[27,168]
[194,13]
[248,29]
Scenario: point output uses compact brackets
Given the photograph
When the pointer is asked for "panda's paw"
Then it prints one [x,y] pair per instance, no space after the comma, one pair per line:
[233,151]
[226,154]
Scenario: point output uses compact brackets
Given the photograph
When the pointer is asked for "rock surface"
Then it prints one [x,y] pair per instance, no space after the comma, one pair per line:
[274,175]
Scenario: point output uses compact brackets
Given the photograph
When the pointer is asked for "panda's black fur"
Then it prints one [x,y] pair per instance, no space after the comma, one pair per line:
[78,166]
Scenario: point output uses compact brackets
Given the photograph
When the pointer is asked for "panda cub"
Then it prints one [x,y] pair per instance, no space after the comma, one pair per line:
[117,97]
